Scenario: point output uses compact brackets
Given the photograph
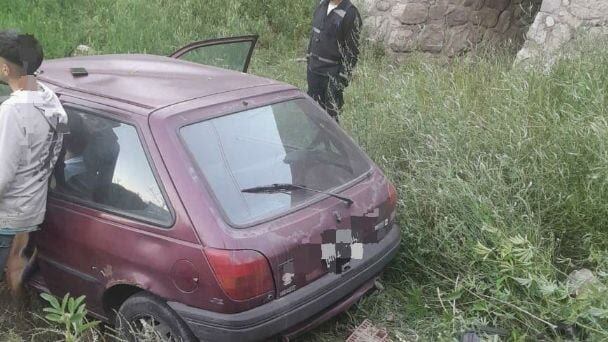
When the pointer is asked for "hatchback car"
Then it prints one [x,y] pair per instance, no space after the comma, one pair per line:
[207,203]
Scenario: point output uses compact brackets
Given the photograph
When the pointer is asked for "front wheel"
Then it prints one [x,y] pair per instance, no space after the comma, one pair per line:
[145,317]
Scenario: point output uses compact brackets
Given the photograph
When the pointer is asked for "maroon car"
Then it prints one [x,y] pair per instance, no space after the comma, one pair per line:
[205,202]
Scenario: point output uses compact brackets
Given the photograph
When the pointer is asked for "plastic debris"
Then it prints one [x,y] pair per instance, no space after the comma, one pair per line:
[367,332]
[470,336]
[83,50]
[581,281]
[378,285]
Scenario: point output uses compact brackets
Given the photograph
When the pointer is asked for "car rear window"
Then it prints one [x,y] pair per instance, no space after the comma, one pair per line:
[291,142]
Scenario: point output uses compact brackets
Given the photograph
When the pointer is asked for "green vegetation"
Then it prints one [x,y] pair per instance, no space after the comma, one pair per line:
[502,173]
[69,317]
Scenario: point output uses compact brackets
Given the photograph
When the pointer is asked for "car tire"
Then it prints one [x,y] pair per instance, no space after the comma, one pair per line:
[146,310]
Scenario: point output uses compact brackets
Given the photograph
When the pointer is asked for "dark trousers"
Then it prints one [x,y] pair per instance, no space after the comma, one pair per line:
[5,249]
[327,91]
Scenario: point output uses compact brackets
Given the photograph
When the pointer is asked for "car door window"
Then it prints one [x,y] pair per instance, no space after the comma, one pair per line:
[227,53]
[103,163]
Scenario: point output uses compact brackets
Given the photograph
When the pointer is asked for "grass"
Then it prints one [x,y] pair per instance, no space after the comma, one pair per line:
[502,172]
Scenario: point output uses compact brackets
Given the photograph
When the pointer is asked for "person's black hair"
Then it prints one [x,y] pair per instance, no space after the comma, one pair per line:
[22,50]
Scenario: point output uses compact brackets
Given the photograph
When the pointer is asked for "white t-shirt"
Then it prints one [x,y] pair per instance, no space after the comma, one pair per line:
[28,152]
[330,7]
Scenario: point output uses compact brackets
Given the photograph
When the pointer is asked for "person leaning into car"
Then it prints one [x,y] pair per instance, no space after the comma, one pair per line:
[32,124]
[333,52]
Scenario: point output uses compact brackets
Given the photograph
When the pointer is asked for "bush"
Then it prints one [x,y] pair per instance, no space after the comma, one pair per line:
[68,317]
[157,26]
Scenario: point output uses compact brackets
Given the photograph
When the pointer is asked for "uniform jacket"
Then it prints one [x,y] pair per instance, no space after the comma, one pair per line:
[333,49]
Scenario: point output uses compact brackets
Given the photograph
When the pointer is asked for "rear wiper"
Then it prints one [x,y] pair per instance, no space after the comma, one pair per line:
[274,188]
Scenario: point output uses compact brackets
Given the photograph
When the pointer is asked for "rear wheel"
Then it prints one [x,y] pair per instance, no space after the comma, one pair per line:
[145,317]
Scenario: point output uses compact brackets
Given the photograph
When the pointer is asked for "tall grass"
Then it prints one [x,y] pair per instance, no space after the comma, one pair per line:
[502,176]
[155,26]
[501,172]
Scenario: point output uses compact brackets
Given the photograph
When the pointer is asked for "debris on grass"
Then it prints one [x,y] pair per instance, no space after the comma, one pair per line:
[407,336]
[378,285]
[582,280]
[484,334]
[83,50]
[367,332]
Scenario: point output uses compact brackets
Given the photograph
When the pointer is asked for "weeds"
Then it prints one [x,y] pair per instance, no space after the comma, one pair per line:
[69,316]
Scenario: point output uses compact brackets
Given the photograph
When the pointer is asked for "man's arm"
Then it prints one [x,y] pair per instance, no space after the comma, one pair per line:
[312,24]
[11,140]
[349,45]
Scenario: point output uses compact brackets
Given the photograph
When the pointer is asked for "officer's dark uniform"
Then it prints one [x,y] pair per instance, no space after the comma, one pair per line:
[332,53]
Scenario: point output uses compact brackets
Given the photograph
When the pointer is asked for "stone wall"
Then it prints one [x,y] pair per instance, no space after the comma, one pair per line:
[559,22]
[448,27]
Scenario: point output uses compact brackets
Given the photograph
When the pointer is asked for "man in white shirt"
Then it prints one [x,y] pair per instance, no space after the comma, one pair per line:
[32,125]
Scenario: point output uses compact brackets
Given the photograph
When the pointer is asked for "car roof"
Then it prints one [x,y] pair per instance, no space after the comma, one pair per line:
[146,81]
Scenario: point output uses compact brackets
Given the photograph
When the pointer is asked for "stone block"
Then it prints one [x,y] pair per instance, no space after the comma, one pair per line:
[411,13]
[397,10]
[474,4]
[457,40]
[438,11]
[487,17]
[383,5]
[504,21]
[402,40]
[457,16]
[559,34]
[551,6]
[431,38]
[500,5]
[537,32]
[589,9]
[377,26]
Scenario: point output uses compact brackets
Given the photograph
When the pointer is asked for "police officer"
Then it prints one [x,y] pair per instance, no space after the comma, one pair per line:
[332,52]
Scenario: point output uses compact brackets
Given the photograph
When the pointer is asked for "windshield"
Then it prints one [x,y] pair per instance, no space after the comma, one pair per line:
[291,142]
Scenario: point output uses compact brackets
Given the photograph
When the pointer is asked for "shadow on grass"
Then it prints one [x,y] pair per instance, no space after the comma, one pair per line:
[19,320]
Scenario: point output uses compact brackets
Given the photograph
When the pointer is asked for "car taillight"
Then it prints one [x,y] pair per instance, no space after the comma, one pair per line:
[243,274]
[392,195]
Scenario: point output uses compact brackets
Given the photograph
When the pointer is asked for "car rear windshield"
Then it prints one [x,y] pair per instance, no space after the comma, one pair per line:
[291,142]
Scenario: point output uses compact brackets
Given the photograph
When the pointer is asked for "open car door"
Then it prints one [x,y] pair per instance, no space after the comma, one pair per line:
[232,53]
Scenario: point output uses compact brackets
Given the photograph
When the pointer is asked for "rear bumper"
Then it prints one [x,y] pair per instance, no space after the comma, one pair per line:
[295,312]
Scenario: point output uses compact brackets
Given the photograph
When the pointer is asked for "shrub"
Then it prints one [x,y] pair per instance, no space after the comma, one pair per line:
[69,316]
